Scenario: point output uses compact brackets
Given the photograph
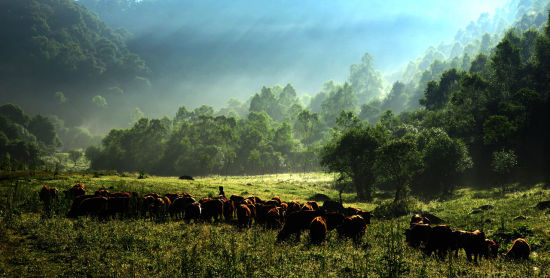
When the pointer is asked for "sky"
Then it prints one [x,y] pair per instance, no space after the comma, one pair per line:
[233,48]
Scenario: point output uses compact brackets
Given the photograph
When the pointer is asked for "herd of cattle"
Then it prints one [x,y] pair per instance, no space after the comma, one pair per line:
[440,239]
[290,217]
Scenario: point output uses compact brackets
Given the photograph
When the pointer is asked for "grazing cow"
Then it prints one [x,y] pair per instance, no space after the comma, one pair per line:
[353,227]
[440,241]
[296,222]
[158,208]
[313,205]
[418,234]
[473,244]
[228,210]
[306,207]
[333,220]
[418,219]
[244,216]
[456,242]
[118,205]
[492,249]
[211,209]
[47,195]
[75,191]
[172,196]
[186,177]
[237,200]
[177,209]
[102,192]
[96,207]
[148,205]
[317,230]
[520,250]
[73,211]
[332,206]
[293,206]
[253,212]
[432,218]
[277,199]
[284,206]
[120,195]
[273,219]
[193,212]
[261,212]
[255,199]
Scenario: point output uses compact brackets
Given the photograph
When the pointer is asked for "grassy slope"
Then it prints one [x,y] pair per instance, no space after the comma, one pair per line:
[31,245]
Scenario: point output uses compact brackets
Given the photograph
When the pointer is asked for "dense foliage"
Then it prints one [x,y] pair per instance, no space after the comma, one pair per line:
[23,138]
[496,113]
[62,56]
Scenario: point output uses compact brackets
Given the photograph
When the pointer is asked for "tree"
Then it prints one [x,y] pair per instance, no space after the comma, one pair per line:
[44,130]
[503,163]
[397,162]
[366,81]
[75,155]
[341,98]
[353,154]
[444,158]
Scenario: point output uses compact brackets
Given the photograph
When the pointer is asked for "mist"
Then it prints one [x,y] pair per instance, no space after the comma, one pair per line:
[207,52]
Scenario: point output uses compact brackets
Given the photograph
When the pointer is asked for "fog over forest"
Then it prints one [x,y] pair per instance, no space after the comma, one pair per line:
[207,52]
[241,87]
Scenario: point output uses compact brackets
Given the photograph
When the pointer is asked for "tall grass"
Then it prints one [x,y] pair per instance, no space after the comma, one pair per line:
[34,245]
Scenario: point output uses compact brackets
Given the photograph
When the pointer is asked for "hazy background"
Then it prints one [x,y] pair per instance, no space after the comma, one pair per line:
[215,50]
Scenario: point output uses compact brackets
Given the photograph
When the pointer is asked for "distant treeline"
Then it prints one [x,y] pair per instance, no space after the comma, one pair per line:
[489,124]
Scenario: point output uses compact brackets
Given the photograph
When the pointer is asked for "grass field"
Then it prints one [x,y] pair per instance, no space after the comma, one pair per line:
[33,245]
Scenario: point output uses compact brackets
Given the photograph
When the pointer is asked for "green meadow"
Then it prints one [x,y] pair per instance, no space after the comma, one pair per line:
[34,244]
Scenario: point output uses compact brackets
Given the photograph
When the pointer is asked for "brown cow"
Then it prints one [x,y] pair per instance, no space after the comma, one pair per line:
[520,250]
[313,205]
[262,210]
[307,206]
[228,210]
[255,199]
[277,199]
[47,195]
[73,211]
[211,209]
[96,207]
[492,249]
[118,205]
[273,219]
[193,212]
[177,209]
[317,230]
[353,227]
[75,191]
[293,206]
[473,244]
[418,234]
[418,219]
[296,222]
[332,206]
[333,220]
[244,216]
[237,200]
[102,192]
[440,241]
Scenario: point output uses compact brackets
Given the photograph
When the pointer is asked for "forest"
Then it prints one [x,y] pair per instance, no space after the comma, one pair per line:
[471,111]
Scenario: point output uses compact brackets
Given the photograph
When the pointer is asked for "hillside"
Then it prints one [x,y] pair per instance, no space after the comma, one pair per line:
[143,247]
[59,58]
